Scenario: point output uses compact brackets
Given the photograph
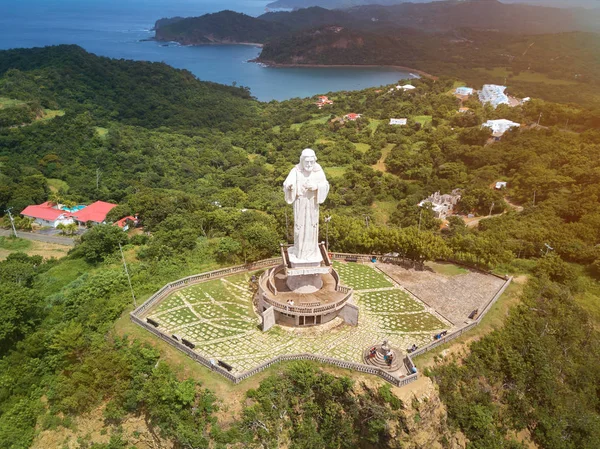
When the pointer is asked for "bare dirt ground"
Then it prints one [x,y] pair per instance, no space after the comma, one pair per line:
[454,297]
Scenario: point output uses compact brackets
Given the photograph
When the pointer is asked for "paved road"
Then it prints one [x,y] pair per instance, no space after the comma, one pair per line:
[67,241]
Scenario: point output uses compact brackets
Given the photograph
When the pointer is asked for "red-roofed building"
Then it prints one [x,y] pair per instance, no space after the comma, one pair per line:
[95,212]
[127,222]
[47,214]
[352,116]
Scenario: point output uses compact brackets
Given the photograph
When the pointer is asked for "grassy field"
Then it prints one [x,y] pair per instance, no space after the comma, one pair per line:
[590,298]
[8,102]
[373,124]
[316,121]
[14,244]
[101,132]
[380,165]
[529,77]
[49,114]
[53,280]
[362,147]
[382,210]
[423,119]
[334,172]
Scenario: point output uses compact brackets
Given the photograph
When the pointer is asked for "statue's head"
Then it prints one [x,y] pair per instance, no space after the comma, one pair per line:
[308,159]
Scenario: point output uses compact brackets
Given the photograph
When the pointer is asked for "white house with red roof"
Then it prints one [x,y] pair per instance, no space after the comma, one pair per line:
[95,212]
[48,214]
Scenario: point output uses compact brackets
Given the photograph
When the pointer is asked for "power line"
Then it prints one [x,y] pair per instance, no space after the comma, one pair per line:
[128,278]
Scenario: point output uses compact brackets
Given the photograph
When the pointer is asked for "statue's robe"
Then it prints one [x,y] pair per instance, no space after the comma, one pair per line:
[306,209]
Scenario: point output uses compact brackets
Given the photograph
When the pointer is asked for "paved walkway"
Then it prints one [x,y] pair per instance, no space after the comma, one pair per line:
[453,296]
[67,241]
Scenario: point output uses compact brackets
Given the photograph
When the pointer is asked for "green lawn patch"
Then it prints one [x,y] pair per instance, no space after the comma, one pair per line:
[423,119]
[389,301]
[383,210]
[57,277]
[360,276]
[49,114]
[447,269]
[101,132]
[14,244]
[362,147]
[334,172]
[411,322]
[9,102]
[373,124]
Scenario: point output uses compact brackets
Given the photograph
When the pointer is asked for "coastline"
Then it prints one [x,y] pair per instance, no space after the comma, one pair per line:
[345,66]
[161,41]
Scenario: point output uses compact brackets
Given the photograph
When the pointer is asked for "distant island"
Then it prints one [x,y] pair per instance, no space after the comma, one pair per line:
[336,4]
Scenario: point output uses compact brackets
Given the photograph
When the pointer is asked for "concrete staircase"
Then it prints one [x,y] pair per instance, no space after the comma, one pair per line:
[379,361]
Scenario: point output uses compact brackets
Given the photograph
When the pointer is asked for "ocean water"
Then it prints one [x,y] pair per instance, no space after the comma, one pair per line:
[119,29]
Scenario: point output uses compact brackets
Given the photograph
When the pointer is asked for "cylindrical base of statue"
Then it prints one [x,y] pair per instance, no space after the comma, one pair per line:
[307,283]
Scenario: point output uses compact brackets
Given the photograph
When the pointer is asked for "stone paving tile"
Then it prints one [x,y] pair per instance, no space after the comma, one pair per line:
[218,317]
[453,297]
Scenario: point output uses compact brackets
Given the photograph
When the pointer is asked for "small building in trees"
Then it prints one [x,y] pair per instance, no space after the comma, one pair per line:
[442,205]
[499,127]
[464,91]
[322,101]
[398,121]
[352,116]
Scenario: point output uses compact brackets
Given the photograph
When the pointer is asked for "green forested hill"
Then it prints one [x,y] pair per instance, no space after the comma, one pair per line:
[207,186]
[221,27]
[138,93]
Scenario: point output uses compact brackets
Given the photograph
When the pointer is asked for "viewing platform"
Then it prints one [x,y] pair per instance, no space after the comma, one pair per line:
[291,308]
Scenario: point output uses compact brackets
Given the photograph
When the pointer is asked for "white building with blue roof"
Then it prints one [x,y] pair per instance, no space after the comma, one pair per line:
[494,95]
[466,91]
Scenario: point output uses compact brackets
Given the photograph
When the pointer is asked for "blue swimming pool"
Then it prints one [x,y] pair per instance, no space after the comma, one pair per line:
[73,209]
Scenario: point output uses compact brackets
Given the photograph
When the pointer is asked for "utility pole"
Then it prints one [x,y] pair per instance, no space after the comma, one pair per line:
[367,218]
[539,119]
[491,209]
[12,221]
[420,214]
[534,197]
[548,248]
[327,220]
[128,278]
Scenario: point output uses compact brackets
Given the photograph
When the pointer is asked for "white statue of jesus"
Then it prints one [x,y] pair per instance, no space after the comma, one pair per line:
[306,187]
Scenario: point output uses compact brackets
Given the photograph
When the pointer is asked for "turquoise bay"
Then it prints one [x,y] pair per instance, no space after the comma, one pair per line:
[120,29]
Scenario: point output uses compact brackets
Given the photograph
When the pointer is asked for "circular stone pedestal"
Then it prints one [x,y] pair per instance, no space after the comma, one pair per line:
[306,283]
